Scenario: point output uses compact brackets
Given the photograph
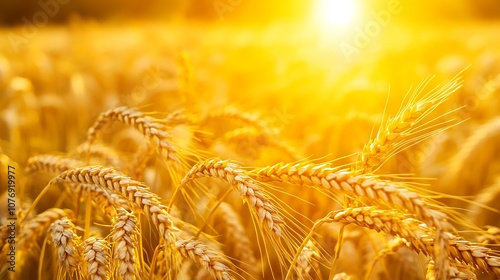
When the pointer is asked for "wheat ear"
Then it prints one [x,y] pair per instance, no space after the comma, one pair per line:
[202,255]
[124,239]
[228,223]
[153,129]
[470,164]
[136,192]
[37,226]
[481,211]
[107,201]
[51,164]
[66,243]
[260,138]
[395,134]
[231,113]
[307,262]
[418,236]
[456,273]
[369,187]
[491,237]
[106,154]
[249,189]
[96,253]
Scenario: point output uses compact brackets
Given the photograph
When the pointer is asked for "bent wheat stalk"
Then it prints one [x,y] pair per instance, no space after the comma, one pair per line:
[107,201]
[259,203]
[203,256]
[136,192]
[365,187]
[51,164]
[38,226]
[153,129]
[368,187]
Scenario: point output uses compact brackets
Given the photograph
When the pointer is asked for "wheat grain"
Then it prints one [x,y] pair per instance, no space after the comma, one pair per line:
[492,236]
[96,252]
[179,117]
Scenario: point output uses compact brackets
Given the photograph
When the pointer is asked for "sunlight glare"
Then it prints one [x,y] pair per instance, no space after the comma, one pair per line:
[335,13]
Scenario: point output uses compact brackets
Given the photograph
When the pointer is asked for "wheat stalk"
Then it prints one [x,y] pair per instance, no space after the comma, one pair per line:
[249,190]
[96,252]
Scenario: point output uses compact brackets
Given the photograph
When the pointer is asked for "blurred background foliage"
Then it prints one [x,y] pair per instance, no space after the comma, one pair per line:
[12,12]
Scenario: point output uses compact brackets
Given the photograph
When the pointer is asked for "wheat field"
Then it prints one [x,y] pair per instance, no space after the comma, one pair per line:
[149,151]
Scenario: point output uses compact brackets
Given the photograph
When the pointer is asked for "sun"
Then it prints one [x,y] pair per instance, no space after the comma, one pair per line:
[335,13]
